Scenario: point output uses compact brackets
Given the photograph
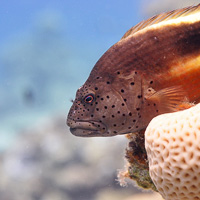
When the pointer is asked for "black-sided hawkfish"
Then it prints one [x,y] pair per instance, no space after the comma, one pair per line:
[153,69]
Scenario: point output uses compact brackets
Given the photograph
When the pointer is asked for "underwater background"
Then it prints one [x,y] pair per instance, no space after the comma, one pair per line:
[47,51]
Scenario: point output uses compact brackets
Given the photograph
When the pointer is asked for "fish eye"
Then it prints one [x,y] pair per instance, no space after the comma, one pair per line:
[89,98]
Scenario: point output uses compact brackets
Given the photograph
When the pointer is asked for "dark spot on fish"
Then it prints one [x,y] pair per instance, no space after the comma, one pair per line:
[132,83]
[123,104]
[125,100]
[88,109]
[108,82]
[136,127]
[139,96]
[92,115]
[135,72]
[96,88]
[123,115]
[134,120]
[113,106]
[154,104]
[122,91]
[122,124]
[107,97]
[114,131]
[103,116]
[97,109]
[148,104]
[129,127]
[98,96]
[97,77]
[118,72]
[105,107]
[130,114]
[113,116]
[102,98]
[118,112]
[96,102]
[151,82]
[114,125]
[137,109]
[156,110]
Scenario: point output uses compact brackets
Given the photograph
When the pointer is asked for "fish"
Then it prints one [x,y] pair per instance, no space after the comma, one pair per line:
[153,69]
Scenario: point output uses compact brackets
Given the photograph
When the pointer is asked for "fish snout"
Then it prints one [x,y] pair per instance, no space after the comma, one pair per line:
[69,122]
[86,128]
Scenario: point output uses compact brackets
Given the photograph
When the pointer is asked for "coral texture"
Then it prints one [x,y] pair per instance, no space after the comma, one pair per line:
[172,143]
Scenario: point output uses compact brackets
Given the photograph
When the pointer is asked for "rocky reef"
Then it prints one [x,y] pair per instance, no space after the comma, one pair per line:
[47,162]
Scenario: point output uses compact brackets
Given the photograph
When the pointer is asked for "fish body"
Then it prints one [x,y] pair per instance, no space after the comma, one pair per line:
[153,69]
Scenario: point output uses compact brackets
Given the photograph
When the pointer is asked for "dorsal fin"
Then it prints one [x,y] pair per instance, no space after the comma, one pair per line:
[162,17]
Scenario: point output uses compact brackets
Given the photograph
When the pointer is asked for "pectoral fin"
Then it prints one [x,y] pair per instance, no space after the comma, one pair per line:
[170,99]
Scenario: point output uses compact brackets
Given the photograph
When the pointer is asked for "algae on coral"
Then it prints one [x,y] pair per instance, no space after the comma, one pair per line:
[137,168]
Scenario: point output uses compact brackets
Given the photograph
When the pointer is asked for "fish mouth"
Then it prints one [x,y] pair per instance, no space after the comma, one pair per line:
[86,128]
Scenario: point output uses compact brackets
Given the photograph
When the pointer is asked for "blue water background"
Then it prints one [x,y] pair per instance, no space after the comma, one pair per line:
[48,49]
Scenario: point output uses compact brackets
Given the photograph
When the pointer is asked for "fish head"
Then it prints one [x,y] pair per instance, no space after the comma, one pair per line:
[98,111]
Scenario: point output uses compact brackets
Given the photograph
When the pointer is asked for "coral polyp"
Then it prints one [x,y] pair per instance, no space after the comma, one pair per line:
[172,143]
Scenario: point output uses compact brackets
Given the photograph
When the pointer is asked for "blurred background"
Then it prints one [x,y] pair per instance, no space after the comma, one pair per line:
[47,51]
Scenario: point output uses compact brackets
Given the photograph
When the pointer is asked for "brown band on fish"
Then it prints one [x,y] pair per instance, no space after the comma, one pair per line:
[157,49]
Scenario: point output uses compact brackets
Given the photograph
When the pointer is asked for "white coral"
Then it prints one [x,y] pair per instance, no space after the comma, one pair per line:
[172,143]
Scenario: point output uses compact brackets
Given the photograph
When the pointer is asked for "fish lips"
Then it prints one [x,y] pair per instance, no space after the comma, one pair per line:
[86,128]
